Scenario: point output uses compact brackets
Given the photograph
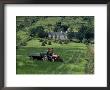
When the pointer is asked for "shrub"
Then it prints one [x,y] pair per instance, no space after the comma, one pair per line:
[17,46]
[30,38]
[92,42]
[65,42]
[21,38]
[49,43]
[45,41]
[60,42]
[23,44]
[85,41]
[41,40]
[43,44]
[76,40]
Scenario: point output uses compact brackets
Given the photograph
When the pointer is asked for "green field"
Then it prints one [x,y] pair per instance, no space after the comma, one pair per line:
[73,54]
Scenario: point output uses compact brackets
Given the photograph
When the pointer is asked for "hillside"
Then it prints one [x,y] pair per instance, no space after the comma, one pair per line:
[54,44]
[39,26]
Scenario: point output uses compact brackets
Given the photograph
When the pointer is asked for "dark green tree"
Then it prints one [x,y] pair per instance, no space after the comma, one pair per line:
[38,32]
[70,35]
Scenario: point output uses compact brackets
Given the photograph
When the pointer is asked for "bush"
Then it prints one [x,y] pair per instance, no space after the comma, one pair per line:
[49,43]
[17,46]
[92,42]
[21,38]
[60,42]
[65,42]
[23,44]
[85,41]
[76,40]
[41,40]
[30,38]
[45,41]
[43,44]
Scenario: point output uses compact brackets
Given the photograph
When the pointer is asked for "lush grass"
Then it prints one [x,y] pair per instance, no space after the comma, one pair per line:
[73,54]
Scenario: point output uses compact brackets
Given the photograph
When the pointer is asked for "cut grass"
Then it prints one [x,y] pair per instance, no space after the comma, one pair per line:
[73,54]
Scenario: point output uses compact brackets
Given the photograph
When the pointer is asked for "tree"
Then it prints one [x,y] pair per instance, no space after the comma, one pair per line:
[49,27]
[43,43]
[22,38]
[86,32]
[70,35]
[49,43]
[81,33]
[38,32]
[57,27]
[89,34]
[64,28]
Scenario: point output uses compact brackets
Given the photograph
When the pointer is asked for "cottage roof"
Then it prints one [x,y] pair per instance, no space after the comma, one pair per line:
[57,33]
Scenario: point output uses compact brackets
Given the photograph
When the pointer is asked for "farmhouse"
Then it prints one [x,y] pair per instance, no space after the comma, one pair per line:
[58,35]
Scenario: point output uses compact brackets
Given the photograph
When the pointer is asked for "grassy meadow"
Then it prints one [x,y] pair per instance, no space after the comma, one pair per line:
[71,37]
[74,55]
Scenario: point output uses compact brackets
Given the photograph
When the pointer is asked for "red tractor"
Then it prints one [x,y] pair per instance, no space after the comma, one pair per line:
[43,56]
[55,58]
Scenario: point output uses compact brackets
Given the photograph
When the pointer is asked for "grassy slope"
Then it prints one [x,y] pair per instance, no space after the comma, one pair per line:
[73,54]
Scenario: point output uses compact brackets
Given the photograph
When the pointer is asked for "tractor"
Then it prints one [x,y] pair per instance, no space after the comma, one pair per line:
[43,56]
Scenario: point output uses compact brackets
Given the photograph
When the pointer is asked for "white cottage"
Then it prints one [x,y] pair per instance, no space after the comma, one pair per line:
[58,35]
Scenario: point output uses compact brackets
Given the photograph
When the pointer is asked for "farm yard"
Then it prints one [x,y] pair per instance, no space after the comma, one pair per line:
[75,47]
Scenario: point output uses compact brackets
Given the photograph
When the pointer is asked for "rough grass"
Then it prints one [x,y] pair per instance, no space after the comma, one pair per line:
[73,54]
